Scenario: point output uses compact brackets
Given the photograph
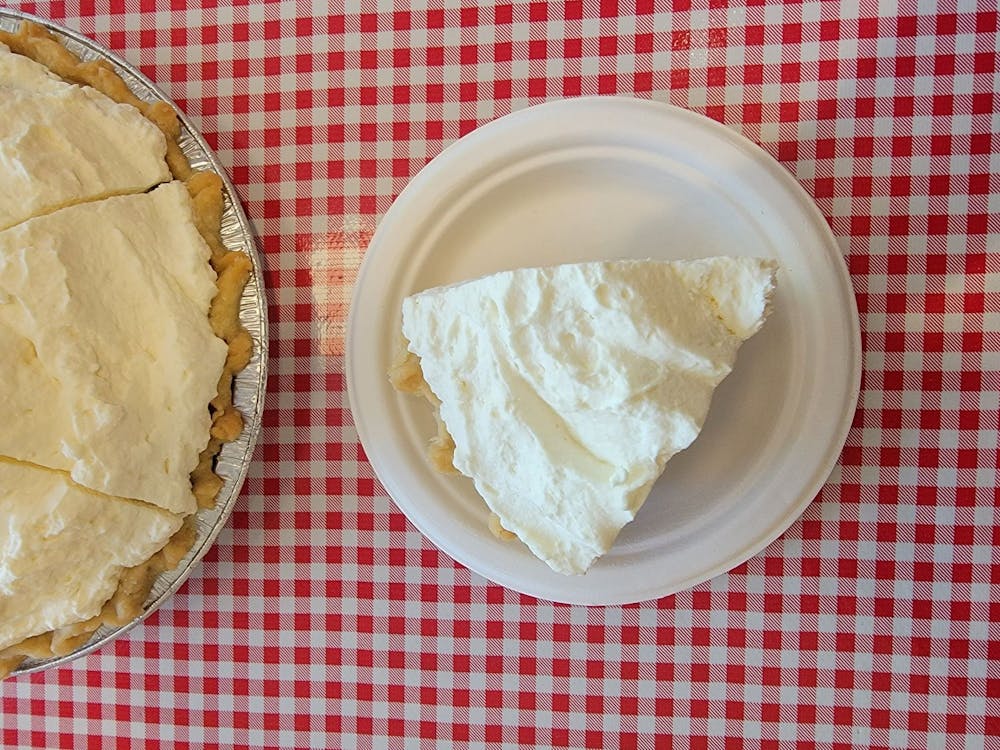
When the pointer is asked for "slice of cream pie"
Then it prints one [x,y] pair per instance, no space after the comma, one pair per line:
[61,143]
[105,307]
[63,549]
[562,392]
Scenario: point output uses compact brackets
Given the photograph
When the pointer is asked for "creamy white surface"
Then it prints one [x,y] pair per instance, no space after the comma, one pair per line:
[63,548]
[62,144]
[567,389]
[105,307]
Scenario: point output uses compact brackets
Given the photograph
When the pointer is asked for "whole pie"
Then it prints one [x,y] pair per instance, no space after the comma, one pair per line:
[119,341]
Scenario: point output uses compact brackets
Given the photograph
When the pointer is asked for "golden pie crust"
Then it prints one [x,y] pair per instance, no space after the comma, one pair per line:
[233,270]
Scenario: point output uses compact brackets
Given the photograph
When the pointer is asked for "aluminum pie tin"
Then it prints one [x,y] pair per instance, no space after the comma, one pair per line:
[234,459]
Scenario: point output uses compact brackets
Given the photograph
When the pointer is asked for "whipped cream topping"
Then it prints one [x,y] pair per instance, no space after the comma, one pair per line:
[566,389]
[62,144]
[112,364]
[63,548]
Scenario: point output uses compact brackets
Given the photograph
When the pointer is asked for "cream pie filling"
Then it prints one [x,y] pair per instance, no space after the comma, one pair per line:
[567,389]
[61,143]
[105,307]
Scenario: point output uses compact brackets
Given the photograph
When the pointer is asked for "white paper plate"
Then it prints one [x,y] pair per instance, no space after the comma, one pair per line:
[601,178]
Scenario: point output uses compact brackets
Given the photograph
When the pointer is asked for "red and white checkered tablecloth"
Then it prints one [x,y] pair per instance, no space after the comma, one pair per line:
[322,618]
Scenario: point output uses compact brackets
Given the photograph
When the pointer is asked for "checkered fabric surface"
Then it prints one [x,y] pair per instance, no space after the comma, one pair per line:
[322,618]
